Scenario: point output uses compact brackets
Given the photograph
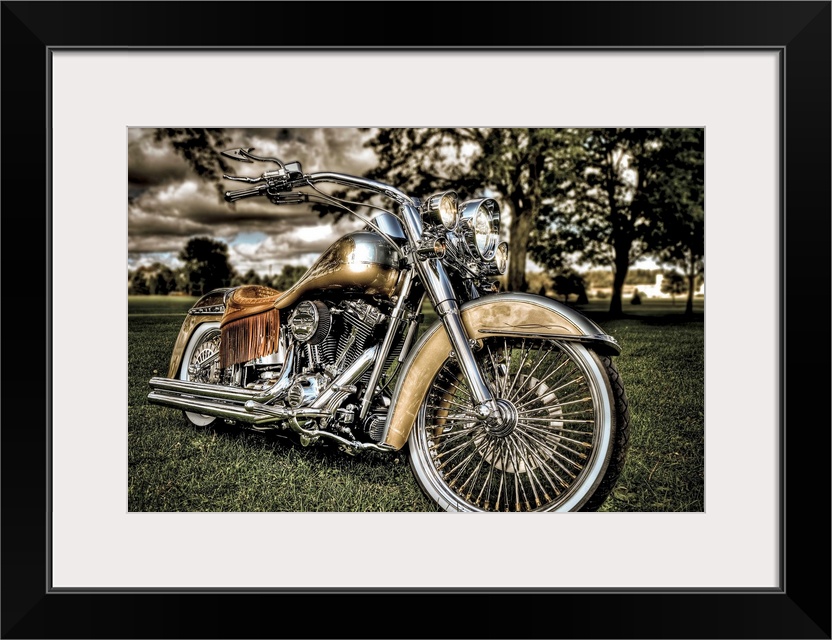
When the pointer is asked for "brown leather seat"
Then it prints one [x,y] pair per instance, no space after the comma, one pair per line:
[249,300]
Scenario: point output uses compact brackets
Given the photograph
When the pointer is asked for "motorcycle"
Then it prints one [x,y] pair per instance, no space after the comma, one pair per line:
[507,402]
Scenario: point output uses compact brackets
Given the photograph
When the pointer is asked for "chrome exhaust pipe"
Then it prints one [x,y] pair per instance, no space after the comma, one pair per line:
[218,400]
[203,389]
[210,407]
[246,405]
[221,392]
[208,399]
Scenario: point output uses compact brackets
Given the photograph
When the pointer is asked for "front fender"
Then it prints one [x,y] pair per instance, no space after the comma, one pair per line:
[501,314]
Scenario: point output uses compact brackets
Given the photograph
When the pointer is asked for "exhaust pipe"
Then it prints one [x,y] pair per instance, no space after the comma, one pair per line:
[217,400]
[209,399]
[204,390]
[207,406]
[249,406]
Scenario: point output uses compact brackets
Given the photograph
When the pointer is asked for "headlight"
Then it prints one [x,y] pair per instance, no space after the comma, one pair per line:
[501,257]
[443,208]
[481,219]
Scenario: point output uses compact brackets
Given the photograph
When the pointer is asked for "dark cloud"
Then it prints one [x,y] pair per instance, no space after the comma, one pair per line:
[317,149]
[152,163]
[168,203]
[154,244]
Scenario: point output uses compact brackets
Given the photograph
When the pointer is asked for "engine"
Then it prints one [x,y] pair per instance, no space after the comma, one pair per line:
[332,337]
[328,337]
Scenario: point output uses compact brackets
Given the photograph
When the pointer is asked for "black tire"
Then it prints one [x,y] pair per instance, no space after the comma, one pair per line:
[565,445]
[622,438]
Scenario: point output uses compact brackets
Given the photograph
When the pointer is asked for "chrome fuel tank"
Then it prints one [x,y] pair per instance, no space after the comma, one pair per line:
[360,262]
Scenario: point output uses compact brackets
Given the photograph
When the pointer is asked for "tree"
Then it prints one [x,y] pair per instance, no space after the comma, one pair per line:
[568,283]
[673,283]
[607,211]
[205,266]
[156,279]
[287,277]
[137,283]
[249,277]
[521,166]
[679,235]
[161,279]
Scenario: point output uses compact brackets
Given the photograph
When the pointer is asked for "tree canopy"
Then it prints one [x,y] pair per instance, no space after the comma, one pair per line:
[623,191]
[200,148]
[522,167]
[679,235]
[205,266]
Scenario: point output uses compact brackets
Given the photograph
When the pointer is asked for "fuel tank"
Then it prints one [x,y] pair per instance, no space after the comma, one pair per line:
[361,262]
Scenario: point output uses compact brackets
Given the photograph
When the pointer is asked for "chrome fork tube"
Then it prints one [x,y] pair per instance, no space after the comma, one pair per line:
[448,311]
[392,329]
[439,289]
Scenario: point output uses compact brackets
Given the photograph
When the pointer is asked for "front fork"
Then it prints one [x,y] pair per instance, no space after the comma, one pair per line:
[438,287]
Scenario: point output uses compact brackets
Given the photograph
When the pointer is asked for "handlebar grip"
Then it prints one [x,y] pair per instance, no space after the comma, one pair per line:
[233,196]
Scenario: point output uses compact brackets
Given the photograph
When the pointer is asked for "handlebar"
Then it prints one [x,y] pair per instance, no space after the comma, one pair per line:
[277,185]
[290,175]
[283,181]
[233,196]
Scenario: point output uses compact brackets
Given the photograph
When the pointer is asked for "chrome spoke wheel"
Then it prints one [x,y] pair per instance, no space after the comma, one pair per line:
[201,363]
[549,452]
[204,363]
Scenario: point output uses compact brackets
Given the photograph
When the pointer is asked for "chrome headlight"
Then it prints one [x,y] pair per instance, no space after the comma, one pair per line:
[501,257]
[481,219]
[443,208]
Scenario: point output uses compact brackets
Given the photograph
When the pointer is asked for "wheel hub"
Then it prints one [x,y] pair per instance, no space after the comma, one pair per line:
[508,422]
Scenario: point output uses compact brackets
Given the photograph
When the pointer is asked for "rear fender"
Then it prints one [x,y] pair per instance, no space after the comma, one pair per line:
[501,314]
[209,308]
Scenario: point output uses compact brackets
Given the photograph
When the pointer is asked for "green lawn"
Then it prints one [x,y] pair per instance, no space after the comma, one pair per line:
[173,466]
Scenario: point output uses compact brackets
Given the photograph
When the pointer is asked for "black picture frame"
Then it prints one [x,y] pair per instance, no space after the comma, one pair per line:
[800,608]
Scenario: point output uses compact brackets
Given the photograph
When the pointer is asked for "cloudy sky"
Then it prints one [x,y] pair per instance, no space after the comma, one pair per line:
[168,203]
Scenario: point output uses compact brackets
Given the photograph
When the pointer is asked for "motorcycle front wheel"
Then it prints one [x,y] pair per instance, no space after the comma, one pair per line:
[561,446]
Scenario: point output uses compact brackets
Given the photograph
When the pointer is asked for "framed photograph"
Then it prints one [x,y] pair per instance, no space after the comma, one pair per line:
[78,561]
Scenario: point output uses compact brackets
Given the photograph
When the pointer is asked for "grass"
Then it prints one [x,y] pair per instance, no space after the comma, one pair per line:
[173,466]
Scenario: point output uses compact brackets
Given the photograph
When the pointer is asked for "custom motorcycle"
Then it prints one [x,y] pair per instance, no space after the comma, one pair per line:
[507,402]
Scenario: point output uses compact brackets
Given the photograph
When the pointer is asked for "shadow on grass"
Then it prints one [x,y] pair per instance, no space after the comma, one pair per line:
[284,441]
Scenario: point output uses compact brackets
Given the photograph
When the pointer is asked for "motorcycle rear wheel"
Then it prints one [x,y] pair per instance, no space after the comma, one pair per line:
[200,363]
[561,449]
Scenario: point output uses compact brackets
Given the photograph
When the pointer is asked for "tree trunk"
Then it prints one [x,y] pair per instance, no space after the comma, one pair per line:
[689,303]
[518,238]
[622,265]
[620,275]
[619,236]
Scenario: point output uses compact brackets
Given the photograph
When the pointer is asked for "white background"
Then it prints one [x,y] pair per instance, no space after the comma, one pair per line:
[97,96]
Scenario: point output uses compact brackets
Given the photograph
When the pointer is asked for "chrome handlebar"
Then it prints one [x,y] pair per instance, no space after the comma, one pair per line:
[291,175]
[233,196]
[278,184]
[278,181]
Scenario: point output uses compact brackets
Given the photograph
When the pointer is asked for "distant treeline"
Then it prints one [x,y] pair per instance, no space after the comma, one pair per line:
[205,267]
